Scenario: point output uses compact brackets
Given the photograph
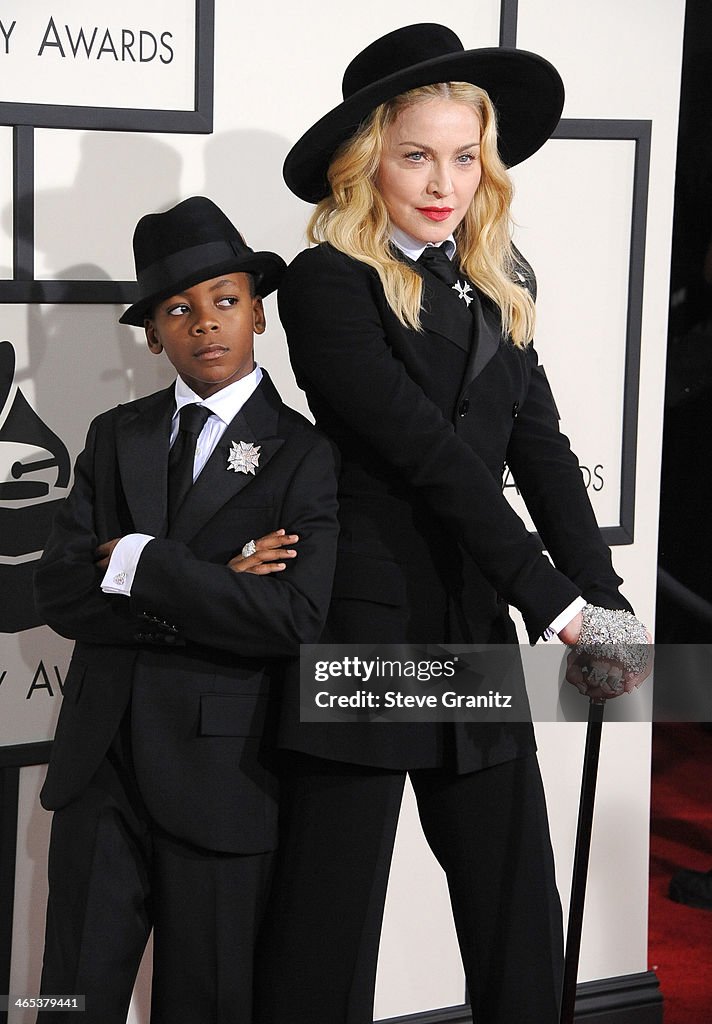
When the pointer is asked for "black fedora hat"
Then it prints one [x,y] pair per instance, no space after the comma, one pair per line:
[526,90]
[192,242]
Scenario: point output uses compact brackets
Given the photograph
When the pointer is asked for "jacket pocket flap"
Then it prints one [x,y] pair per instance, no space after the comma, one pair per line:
[368,579]
[232,714]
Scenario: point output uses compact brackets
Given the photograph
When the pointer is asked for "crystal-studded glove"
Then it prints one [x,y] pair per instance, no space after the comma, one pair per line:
[615,635]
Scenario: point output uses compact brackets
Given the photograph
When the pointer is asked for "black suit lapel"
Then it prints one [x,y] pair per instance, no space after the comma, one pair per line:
[142,443]
[438,313]
[256,423]
[454,320]
[443,313]
[487,336]
[475,326]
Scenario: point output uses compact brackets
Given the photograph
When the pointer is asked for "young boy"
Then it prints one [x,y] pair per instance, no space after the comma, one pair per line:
[160,778]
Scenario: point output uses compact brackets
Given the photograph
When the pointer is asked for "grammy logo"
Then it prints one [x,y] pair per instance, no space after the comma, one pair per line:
[34,468]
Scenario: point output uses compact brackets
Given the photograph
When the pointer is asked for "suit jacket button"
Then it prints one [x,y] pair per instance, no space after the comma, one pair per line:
[515,410]
[463,407]
[140,637]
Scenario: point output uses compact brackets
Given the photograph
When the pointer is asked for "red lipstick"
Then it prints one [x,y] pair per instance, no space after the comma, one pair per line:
[435,212]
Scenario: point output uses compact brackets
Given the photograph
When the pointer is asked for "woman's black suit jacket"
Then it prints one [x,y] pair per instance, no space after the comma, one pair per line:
[429,548]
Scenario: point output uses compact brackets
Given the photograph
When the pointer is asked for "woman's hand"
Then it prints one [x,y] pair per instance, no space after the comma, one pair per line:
[570,633]
[603,678]
[594,669]
[271,552]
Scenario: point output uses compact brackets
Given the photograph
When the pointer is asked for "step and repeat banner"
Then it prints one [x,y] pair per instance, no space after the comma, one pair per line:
[107,114]
[94,66]
[141,68]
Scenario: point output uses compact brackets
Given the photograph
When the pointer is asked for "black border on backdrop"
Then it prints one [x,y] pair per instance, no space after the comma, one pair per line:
[23,288]
[638,132]
[134,119]
[508,14]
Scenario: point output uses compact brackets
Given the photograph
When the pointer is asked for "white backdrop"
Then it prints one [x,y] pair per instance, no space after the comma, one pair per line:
[99,54]
[278,67]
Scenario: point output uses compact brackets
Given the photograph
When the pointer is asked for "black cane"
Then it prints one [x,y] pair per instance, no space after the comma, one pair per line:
[581,858]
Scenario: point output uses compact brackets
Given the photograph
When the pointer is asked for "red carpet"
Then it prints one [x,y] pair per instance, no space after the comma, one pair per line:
[680,937]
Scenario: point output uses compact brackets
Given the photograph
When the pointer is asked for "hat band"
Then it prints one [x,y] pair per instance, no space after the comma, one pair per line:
[162,274]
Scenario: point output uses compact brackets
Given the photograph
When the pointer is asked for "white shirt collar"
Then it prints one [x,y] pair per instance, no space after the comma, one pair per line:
[413,248]
[226,403]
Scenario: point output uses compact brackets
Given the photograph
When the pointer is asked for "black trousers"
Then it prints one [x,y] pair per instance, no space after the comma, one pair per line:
[113,875]
[489,831]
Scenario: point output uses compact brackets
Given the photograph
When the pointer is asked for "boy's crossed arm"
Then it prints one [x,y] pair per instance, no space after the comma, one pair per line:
[268,556]
[231,607]
[253,615]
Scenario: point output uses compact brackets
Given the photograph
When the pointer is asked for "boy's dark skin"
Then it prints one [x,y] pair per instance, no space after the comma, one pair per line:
[161,775]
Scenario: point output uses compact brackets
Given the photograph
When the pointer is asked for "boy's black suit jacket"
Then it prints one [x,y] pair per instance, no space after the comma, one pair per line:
[429,549]
[197,648]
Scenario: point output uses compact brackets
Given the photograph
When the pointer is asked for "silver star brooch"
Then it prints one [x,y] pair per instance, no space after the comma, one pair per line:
[244,457]
[463,291]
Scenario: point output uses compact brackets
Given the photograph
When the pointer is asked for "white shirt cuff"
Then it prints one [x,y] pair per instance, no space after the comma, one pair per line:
[563,619]
[123,564]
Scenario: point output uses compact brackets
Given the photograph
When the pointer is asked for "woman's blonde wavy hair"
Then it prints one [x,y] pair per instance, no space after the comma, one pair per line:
[354,219]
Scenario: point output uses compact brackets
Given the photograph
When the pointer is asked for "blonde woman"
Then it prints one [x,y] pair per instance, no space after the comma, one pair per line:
[410,325]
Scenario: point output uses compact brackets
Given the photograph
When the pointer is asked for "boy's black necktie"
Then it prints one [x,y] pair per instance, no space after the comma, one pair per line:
[435,259]
[182,455]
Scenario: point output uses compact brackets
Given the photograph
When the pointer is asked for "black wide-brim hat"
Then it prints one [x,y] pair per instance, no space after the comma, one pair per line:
[526,90]
[192,242]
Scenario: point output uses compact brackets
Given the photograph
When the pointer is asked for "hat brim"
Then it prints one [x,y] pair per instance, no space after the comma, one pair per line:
[267,268]
[526,90]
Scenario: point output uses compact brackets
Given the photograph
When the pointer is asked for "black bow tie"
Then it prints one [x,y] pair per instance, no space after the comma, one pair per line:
[435,259]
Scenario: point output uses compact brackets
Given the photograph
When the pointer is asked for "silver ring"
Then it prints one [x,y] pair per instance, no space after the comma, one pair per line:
[597,675]
[614,685]
[249,549]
